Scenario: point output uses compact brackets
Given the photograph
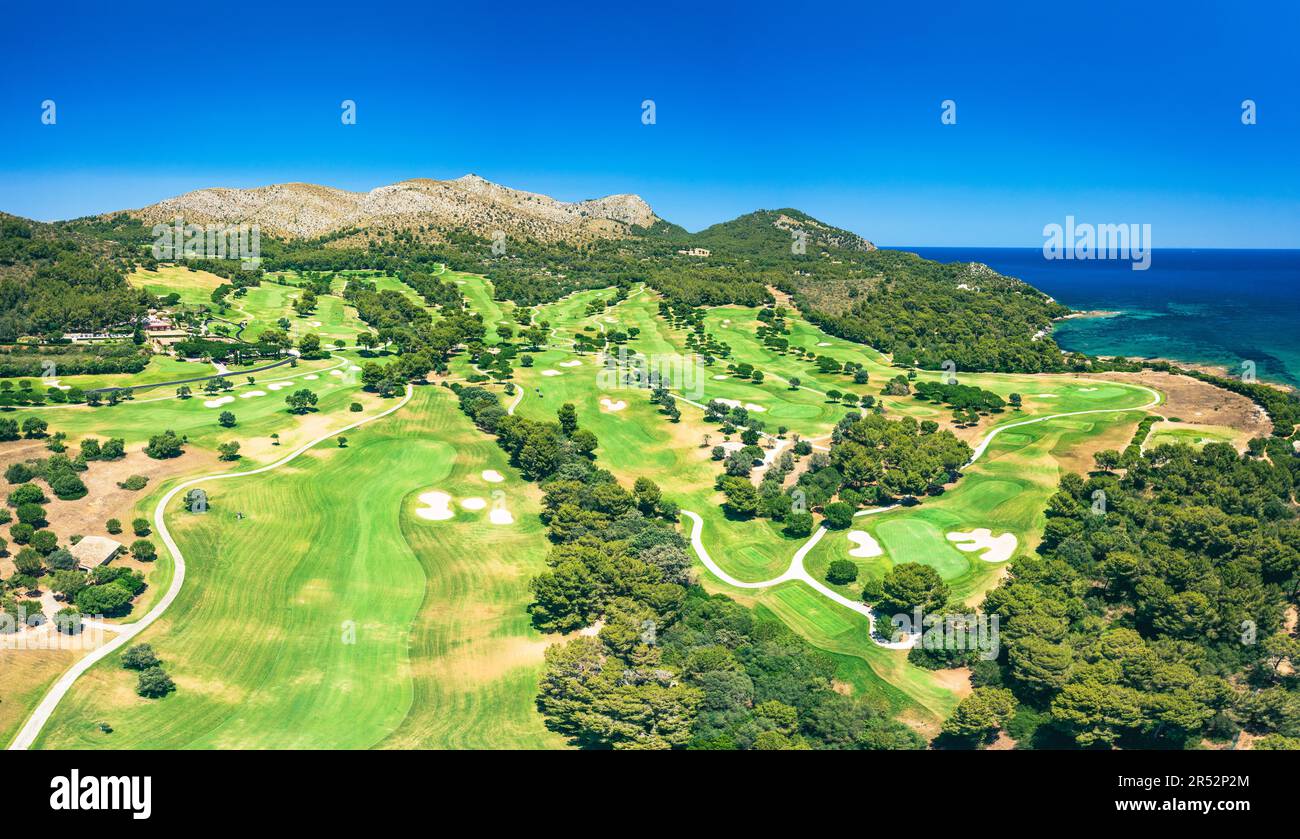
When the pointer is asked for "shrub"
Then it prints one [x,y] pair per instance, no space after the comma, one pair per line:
[33,514]
[60,559]
[22,533]
[113,526]
[165,445]
[842,571]
[839,515]
[19,473]
[107,599]
[140,527]
[68,487]
[355,407]
[45,541]
[798,525]
[154,683]
[133,483]
[27,494]
[139,657]
[144,550]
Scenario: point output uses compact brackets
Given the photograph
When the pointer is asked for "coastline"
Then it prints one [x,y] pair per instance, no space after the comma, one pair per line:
[1208,368]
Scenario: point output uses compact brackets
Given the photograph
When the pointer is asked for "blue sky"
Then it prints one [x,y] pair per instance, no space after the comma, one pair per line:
[1107,112]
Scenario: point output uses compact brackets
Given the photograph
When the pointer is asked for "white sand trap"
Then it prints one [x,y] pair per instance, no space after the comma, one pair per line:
[492,476]
[315,323]
[726,323]
[574,363]
[501,515]
[550,372]
[219,401]
[252,393]
[823,343]
[730,403]
[610,405]
[1087,389]
[49,383]
[352,368]
[473,503]
[866,544]
[752,408]
[338,373]
[277,386]
[611,320]
[1045,395]
[721,377]
[311,377]
[437,506]
[996,548]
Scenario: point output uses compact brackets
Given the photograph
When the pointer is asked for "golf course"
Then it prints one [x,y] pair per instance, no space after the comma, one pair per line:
[373,594]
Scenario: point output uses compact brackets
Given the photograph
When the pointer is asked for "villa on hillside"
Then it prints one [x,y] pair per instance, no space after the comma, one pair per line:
[695,252]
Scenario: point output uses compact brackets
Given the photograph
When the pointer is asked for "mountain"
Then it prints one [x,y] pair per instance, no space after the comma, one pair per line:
[423,206]
[774,231]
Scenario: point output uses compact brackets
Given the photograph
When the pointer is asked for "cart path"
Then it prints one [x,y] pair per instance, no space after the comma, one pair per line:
[796,570]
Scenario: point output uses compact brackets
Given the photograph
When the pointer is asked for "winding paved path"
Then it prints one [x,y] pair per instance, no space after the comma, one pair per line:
[126,631]
[796,570]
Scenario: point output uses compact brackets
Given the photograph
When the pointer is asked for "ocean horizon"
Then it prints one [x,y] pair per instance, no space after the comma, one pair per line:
[1224,307]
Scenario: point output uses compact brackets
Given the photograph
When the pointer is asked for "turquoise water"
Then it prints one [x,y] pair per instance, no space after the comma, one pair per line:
[1223,307]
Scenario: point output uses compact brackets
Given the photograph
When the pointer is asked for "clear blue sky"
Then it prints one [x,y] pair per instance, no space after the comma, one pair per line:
[1112,112]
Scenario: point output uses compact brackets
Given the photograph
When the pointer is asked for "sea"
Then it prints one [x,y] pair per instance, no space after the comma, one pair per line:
[1228,308]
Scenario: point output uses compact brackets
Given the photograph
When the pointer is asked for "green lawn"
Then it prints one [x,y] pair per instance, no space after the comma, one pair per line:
[258,639]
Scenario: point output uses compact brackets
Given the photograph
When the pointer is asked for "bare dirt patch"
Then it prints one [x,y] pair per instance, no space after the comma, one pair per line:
[1195,401]
[956,679]
[106,500]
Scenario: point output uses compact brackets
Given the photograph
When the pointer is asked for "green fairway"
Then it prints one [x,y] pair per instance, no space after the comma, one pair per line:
[295,627]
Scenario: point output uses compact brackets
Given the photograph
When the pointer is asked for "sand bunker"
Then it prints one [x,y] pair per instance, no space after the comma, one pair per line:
[721,377]
[610,405]
[219,401]
[437,506]
[550,372]
[730,403]
[277,386]
[1045,395]
[315,323]
[49,383]
[1087,389]
[338,373]
[866,544]
[995,548]
[573,363]
[252,393]
[500,515]
[823,343]
[757,409]
[492,476]
[473,503]
[352,368]
[311,378]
